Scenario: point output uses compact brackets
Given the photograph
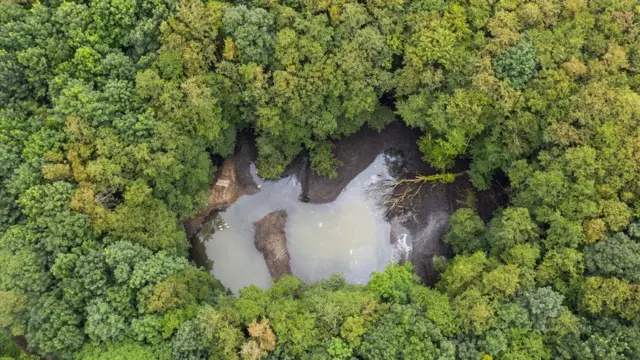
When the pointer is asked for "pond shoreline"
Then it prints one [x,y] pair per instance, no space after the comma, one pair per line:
[419,221]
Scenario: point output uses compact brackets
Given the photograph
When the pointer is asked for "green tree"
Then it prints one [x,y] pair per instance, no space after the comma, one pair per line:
[252,33]
[122,351]
[512,227]
[467,232]
[394,284]
[517,65]
[392,337]
[616,256]
[54,326]
[610,296]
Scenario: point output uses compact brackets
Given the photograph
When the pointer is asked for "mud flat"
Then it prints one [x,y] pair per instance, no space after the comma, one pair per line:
[232,181]
[271,241]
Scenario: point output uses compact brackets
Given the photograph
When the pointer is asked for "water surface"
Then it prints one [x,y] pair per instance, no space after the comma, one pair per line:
[348,236]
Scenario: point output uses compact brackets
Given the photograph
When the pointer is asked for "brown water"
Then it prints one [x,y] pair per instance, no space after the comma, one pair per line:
[349,236]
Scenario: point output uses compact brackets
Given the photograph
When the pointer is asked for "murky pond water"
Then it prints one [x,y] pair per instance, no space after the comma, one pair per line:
[348,236]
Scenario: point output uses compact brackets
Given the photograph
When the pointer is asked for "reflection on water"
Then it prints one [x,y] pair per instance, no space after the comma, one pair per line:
[348,236]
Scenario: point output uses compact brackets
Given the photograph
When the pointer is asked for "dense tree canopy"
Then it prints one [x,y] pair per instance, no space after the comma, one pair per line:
[112,110]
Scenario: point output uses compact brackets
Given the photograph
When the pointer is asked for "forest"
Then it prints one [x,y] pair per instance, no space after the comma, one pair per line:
[111,112]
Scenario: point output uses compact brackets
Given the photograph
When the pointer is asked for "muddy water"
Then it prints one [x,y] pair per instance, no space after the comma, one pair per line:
[348,236]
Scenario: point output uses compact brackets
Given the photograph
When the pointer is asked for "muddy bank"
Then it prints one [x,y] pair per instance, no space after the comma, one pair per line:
[232,180]
[357,152]
[271,241]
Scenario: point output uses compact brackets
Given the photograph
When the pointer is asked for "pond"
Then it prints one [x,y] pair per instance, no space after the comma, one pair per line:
[349,236]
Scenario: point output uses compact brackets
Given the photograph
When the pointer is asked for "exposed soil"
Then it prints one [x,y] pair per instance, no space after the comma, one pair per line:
[232,181]
[271,241]
[357,152]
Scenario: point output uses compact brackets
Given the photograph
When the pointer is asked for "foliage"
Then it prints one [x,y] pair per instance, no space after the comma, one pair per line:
[617,256]
[517,64]
[393,337]
[10,350]
[467,231]
[394,284]
[323,162]
[123,351]
[112,111]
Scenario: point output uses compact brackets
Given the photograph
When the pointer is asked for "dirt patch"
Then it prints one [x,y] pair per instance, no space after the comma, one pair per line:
[232,180]
[271,241]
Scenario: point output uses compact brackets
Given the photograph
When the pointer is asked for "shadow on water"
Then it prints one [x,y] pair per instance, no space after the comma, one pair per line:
[198,247]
